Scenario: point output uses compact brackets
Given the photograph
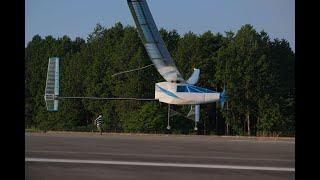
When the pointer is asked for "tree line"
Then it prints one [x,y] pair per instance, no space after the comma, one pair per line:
[256,71]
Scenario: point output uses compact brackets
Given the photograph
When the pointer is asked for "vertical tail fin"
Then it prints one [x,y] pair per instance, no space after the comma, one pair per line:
[194,77]
[52,85]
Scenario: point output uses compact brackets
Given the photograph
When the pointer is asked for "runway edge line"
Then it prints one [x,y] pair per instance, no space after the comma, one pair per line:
[129,163]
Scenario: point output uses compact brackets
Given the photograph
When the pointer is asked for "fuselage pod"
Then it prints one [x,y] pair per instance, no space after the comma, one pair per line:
[182,94]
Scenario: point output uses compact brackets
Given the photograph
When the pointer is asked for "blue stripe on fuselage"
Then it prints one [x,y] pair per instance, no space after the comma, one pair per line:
[169,93]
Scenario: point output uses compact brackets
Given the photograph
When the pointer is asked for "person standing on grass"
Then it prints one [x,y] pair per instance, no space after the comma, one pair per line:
[99,122]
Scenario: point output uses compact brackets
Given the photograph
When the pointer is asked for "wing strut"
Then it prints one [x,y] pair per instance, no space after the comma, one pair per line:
[131,70]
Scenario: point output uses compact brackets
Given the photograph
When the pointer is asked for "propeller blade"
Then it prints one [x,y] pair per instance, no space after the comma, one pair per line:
[223,98]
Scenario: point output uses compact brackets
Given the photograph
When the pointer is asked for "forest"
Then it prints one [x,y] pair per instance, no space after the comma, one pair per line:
[257,71]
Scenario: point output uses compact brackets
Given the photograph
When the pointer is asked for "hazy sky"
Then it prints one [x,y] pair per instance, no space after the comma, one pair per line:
[77,18]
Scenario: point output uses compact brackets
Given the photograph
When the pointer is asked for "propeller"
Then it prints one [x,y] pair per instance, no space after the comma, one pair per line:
[223,97]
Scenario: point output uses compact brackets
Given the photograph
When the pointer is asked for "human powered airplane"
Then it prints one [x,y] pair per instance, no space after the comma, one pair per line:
[175,90]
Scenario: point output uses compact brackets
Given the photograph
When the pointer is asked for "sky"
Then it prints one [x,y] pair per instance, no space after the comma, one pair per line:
[77,18]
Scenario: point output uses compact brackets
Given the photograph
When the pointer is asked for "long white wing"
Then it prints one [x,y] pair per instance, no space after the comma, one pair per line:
[153,42]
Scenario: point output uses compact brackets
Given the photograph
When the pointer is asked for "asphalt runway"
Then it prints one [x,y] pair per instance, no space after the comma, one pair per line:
[122,156]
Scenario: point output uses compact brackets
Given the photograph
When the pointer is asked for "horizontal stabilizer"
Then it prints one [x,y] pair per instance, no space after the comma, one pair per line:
[52,85]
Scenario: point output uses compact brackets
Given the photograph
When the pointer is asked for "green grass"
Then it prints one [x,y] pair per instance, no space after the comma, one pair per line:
[32,130]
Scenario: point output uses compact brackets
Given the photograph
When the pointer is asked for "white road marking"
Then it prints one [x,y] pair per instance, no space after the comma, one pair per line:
[164,155]
[130,163]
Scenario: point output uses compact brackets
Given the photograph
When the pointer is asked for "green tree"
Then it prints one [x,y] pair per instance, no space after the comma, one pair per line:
[258,74]
[149,118]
